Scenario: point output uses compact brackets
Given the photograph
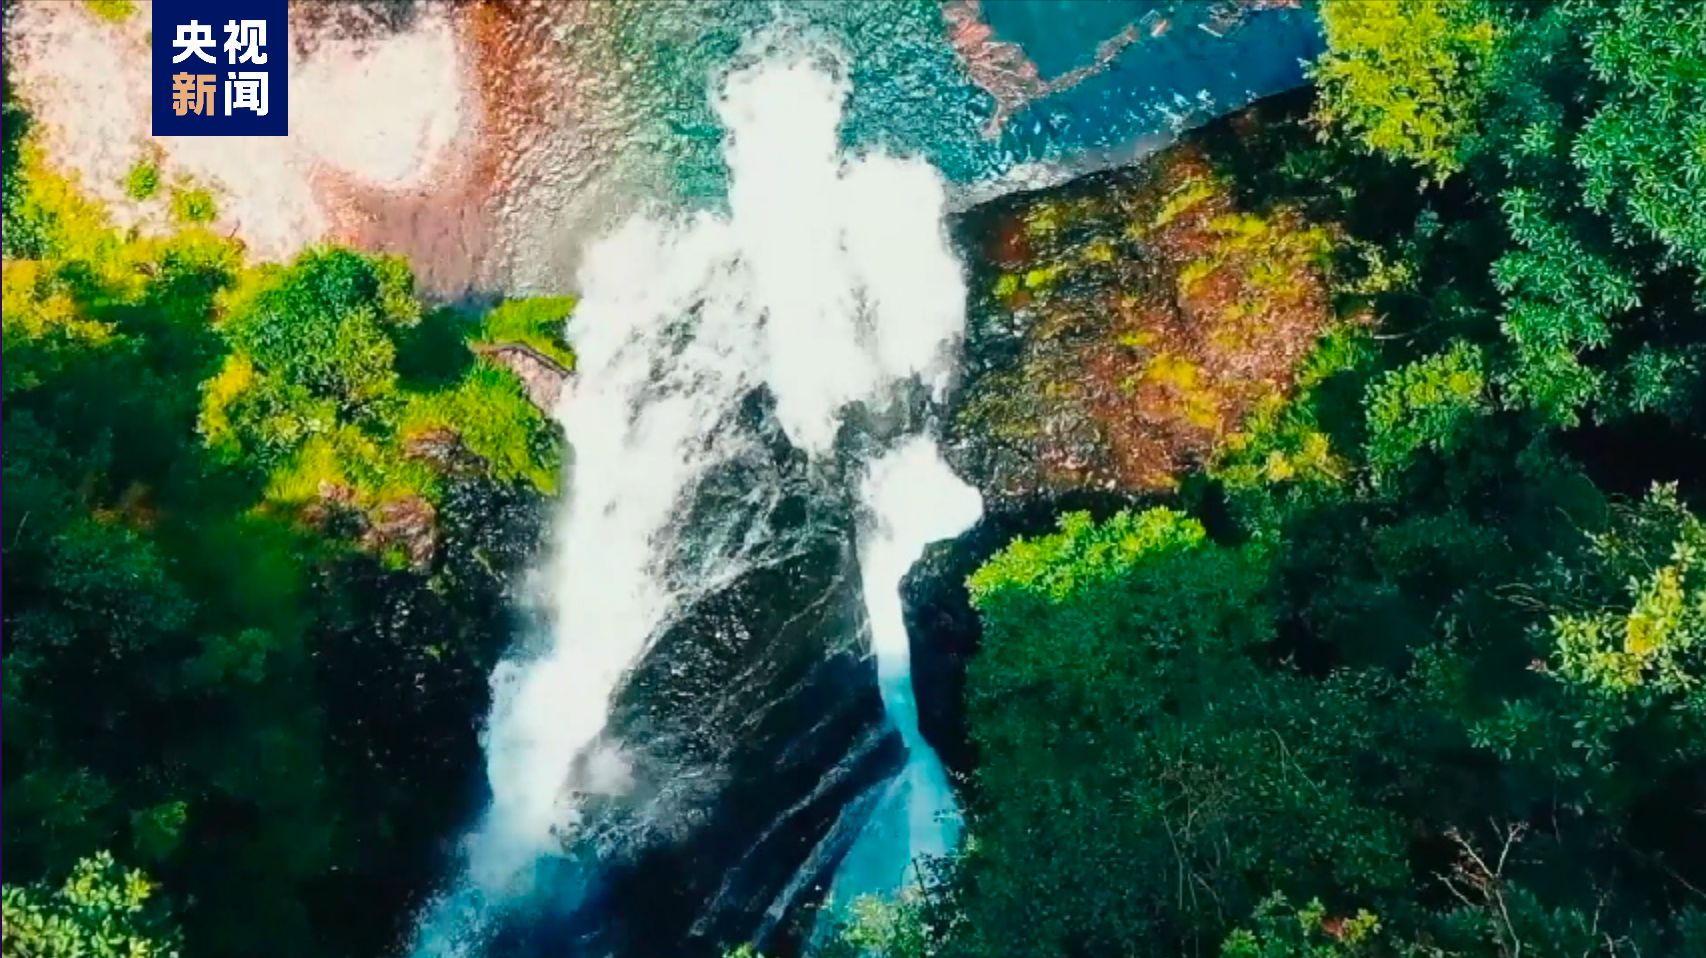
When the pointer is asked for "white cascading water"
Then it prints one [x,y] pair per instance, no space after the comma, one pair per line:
[829,281]
[912,499]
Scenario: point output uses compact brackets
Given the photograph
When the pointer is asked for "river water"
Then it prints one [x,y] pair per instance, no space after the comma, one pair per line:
[825,280]
[799,162]
[750,198]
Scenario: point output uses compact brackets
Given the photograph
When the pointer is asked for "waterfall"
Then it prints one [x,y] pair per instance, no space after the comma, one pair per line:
[828,280]
[913,499]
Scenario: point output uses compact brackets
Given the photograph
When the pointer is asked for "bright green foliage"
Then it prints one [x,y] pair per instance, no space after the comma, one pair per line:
[1585,120]
[1131,732]
[115,10]
[1643,152]
[217,684]
[1279,931]
[535,323]
[1434,665]
[1402,77]
[495,421]
[193,205]
[1592,130]
[102,911]
[1560,299]
[1629,642]
[311,392]
[142,181]
[1082,554]
[48,217]
[322,325]
[1426,404]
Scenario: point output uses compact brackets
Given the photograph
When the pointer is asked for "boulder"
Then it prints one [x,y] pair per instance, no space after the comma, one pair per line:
[1122,326]
[749,725]
[541,376]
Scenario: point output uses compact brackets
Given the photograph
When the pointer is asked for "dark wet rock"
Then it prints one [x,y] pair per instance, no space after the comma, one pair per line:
[751,723]
[942,631]
[541,376]
[407,526]
[781,720]
[422,641]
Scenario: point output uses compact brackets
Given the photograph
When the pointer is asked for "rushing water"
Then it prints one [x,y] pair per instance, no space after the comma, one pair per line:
[913,499]
[817,273]
[838,134]
[828,281]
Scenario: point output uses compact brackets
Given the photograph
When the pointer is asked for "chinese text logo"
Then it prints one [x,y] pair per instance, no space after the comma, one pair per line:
[219,67]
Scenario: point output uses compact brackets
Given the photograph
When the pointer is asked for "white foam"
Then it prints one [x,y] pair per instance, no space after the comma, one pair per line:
[829,280]
[912,499]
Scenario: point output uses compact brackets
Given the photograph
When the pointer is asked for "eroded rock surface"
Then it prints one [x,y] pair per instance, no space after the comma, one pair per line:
[541,376]
[748,726]
[1124,324]
[1122,327]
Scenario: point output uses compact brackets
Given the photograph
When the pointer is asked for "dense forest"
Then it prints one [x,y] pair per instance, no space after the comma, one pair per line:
[262,530]
[1413,663]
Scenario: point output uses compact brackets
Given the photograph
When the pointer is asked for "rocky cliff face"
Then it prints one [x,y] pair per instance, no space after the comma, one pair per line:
[751,723]
[1123,325]
[1122,328]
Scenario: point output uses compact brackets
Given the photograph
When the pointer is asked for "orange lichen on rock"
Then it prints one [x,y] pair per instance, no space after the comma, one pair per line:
[1150,315]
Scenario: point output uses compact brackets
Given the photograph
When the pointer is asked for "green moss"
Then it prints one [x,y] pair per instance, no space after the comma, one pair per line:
[1283,441]
[492,416]
[1099,251]
[1041,277]
[116,11]
[194,205]
[1043,220]
[536,323]
[143,180]
[1194,272]
[1184,198]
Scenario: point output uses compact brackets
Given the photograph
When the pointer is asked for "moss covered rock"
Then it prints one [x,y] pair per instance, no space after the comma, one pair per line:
[1123,325]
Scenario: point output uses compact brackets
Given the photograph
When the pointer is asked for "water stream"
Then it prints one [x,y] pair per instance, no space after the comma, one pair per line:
[828,282]
[913,499]
[750,199]
[812,271]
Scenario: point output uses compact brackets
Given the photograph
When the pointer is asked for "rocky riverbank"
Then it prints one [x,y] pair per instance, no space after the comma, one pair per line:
[1121,329]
